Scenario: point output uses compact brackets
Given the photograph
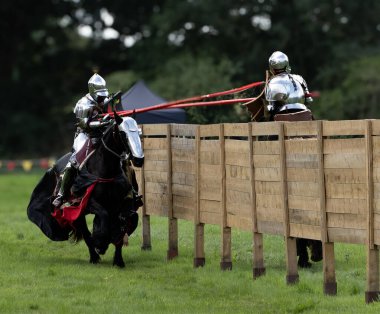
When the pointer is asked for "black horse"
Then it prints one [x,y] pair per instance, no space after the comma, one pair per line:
[111,201]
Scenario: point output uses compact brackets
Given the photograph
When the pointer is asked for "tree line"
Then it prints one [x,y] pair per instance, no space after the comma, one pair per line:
[181,48]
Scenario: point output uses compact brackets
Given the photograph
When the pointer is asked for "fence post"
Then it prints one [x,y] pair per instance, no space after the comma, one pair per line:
[146,237]
[199,252]
[372,293]
[258,254]
[172,221]
[329,280]
[226,261]
[290,242]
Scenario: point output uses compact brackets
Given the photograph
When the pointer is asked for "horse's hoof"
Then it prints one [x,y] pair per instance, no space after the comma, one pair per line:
[119,264]
[95,259]
[316,258]
[304,264]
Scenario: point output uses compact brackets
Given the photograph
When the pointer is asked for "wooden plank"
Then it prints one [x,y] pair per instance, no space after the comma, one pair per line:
[183,213]
[155,176]
[236,146]
[274,214]
[236,129]
[210,218]
[185,144]
[210,145]
[233,184]
[342,128]
[154,129]
[305,231]
[268,202]
[253,193]
[242,223]
[344,161]
[238,172]
[329,268]
[184,178]
[265,128]
[267,174]
[269,188]
[300,128]
[199,238]
[184,201]
[376,160]
[237,158]
[156,204]
[155,154]
[346,190]
[304,202]
[344,146]
[155,165]
[301,161]
[238,198]
[210,206]
[210,130]
[183,129]
[209,157]
[302,175]
[375,127]
[354,236]
[266,161]
[210,172]
[155,143]
[345,175]
[156,188]
[376,145]
[183,166]
[347,221]
[349,206]
[241,210]
[306,217]
[210,192]
[376,236]
[183,190]
[270,227]
[310,189]
[266,148]
[370,189]
[301,146]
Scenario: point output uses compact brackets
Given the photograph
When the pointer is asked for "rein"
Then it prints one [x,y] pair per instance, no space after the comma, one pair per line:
[120,156]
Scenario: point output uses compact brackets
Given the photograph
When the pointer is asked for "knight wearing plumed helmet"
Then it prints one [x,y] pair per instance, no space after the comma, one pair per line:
[87,111]
[285,92]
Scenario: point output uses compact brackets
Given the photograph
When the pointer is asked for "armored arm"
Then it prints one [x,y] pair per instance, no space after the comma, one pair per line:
[301,80]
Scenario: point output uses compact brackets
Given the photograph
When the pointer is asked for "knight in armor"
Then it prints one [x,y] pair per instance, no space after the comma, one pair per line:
[285,93]
[87,111]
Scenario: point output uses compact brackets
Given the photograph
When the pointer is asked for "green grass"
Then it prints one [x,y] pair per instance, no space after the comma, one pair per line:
[41,276]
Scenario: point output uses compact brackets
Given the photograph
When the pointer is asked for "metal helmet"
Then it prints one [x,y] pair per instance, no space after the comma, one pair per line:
[97,87]
[279,62]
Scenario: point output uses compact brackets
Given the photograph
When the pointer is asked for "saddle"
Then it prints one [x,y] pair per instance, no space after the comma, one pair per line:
[85,152]
[304,115]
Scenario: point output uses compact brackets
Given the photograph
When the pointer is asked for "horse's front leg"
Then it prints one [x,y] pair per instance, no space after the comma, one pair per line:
[82,224]
[118,257]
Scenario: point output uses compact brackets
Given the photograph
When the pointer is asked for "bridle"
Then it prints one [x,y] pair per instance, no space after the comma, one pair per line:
[121,156]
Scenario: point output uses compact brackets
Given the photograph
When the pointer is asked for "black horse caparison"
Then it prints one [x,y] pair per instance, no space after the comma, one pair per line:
[110,201]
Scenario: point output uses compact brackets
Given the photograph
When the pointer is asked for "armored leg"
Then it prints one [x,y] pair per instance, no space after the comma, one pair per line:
[67,181]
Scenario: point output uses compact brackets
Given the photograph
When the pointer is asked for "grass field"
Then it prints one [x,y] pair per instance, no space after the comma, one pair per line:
[41,276]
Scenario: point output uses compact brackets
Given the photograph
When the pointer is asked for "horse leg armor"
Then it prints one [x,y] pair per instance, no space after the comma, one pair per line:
[68,178]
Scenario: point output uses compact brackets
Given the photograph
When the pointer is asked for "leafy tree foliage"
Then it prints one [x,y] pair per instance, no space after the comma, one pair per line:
[181,48]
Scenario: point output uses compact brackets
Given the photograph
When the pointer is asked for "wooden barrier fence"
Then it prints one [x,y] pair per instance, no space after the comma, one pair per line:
[317,180]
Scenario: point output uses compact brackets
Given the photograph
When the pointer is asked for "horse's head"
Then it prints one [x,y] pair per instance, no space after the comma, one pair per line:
[131,137]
